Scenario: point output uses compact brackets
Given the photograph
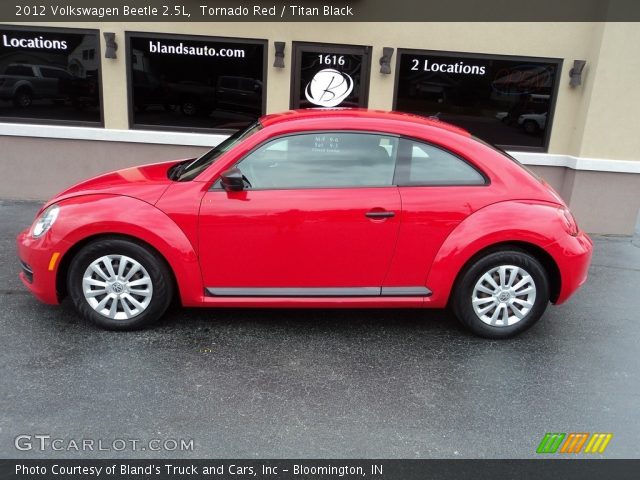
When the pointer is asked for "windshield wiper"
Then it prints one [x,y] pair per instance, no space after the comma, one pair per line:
[177,170]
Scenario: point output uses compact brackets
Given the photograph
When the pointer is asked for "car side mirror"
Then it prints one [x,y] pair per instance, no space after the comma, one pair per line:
[232,180]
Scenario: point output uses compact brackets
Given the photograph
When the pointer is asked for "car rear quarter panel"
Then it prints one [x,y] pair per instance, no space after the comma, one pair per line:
[517,221]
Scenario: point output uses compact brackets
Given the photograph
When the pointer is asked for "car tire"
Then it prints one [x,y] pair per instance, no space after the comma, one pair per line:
[501,294]
[189,107]
[118,284]
[531,127]
[23,98]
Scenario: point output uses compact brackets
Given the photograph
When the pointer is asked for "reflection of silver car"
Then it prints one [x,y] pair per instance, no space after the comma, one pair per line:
[22,83]
[533,122]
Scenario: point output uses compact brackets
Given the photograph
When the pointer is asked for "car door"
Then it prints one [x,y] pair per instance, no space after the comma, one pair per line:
[439,190]
[47,83]
[318,217]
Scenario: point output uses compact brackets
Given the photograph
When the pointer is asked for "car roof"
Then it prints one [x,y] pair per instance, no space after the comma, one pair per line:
[18,64]
[357,113]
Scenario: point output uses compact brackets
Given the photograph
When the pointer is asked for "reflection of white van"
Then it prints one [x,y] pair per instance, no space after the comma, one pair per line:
[533,122]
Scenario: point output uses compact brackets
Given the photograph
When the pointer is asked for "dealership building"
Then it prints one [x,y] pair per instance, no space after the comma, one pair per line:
[79,99]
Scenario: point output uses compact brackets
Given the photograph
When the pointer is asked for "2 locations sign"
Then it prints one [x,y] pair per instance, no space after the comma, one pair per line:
[429,65]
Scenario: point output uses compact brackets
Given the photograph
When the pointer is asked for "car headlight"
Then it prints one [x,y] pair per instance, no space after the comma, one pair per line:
[45,221]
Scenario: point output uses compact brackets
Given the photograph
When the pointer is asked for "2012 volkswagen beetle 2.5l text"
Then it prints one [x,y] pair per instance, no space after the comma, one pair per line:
[314,208]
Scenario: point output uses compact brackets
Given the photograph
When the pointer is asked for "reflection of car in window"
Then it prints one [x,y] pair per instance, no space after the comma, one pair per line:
[239,93]
[197,98]
[533,122]
[148,90]
[527,104]
[22,83]
[193,98]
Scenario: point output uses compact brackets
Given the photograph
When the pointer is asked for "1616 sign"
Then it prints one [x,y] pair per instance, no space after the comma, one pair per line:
[330,76]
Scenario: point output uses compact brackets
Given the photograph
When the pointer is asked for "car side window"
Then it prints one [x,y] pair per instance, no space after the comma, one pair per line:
[322,160]
[21,70]
[425,164]
[54,73]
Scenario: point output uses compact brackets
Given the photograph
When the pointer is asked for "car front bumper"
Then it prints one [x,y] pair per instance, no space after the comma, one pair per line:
[40,261]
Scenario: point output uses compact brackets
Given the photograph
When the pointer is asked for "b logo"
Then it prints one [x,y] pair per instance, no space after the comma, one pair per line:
[328,88]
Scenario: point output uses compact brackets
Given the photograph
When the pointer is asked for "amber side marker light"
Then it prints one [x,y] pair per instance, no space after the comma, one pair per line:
[54,259]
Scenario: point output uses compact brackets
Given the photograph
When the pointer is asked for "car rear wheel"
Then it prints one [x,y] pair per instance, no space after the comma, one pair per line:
[530,126]
[119,285]
[189,107]
[501,294]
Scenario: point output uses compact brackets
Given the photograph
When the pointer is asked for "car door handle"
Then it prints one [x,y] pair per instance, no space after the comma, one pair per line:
[380,214]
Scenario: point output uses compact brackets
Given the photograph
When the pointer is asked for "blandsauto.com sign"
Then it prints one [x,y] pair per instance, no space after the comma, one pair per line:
[200,50]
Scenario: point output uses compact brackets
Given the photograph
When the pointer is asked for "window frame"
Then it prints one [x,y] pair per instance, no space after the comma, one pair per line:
[50,121]
[493,56]
[401,176]
[216,185]
[176,36]
[298,48]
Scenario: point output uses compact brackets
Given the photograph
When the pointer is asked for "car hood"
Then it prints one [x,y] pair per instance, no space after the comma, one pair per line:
[146,182]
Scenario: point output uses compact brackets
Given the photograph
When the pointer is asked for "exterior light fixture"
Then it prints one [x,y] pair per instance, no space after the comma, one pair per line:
[279,60]
[110,45]
[575,74]
[385,60]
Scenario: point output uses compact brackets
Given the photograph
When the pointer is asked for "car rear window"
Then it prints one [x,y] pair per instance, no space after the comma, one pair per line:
[514,160]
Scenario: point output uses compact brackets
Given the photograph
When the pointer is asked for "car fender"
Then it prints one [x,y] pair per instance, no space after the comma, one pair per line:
[22,83]
[503,222]
[128,216]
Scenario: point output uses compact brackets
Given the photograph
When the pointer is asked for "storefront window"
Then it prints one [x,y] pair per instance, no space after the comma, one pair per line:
[179,82]
[49,75]
[507,101]
[325,75]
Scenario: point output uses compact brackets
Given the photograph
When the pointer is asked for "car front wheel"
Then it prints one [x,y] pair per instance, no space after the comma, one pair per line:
[23,98]
[119,285]
[501,294]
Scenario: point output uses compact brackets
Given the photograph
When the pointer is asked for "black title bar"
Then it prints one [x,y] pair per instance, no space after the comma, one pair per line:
[318,11]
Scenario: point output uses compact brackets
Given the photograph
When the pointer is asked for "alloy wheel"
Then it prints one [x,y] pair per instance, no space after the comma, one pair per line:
[504,295]
[117,287]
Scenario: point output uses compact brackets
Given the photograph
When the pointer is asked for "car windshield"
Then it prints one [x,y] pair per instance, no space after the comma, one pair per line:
[191,169]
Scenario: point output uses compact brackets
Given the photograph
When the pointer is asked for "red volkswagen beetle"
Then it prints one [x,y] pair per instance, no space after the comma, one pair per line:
[314,208]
